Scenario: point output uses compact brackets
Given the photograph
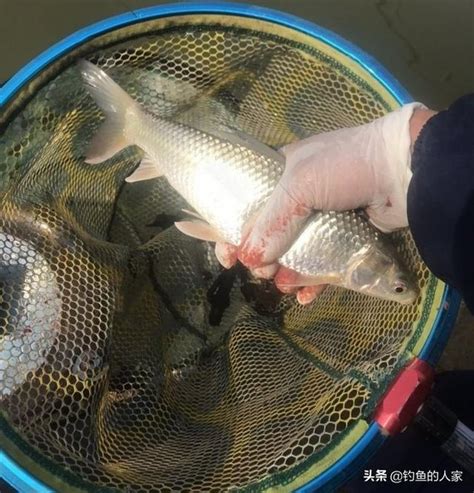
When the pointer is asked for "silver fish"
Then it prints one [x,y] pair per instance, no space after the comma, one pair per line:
[343,249]
[28,287]
[226,178]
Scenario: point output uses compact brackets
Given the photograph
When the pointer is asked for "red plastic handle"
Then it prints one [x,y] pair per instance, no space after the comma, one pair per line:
[404,397]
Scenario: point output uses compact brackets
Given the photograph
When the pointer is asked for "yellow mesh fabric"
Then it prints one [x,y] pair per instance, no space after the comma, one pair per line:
[115,368]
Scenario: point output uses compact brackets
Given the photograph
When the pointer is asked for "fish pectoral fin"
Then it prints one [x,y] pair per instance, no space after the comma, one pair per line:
[147,169]
[290,279]
[199,229]
[236,136]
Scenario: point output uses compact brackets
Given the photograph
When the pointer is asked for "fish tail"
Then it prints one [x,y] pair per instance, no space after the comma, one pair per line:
[118,107]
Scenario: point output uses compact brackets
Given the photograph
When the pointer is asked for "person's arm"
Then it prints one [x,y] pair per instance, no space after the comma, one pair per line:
[441,196]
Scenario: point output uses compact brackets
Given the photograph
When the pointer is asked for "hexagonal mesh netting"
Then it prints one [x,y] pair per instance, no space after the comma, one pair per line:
[118,365]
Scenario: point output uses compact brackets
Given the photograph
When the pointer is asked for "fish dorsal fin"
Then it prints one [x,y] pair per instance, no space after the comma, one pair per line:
[237,137]
[199,229]
[146,170]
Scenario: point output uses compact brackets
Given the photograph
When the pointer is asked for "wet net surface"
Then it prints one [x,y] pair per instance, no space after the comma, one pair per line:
[127,357]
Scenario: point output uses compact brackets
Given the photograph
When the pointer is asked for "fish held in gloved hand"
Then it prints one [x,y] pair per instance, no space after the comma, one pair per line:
[227,177]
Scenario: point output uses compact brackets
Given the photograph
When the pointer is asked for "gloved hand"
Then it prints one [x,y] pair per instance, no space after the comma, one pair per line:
[363,167]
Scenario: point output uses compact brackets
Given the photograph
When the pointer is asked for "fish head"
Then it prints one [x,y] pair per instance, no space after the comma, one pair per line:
[378,272]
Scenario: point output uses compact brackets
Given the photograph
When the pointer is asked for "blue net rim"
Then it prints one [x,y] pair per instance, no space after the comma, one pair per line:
[12,86]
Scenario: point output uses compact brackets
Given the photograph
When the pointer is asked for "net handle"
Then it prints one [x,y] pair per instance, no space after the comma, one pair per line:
[452,435]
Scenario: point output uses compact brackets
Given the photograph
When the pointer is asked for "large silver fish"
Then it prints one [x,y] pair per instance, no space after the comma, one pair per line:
[226,178]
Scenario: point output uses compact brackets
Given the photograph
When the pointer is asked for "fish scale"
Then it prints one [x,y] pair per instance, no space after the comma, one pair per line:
[323,232]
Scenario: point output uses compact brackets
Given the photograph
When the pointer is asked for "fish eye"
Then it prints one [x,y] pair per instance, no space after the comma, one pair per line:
[400,288]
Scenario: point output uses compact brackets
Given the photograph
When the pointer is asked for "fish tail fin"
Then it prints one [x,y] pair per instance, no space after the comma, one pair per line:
[118,107]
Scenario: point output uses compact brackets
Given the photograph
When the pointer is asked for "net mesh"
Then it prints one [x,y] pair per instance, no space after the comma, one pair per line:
[127,357]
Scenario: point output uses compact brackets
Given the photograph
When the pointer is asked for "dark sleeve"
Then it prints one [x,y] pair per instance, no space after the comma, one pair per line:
[441,196]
